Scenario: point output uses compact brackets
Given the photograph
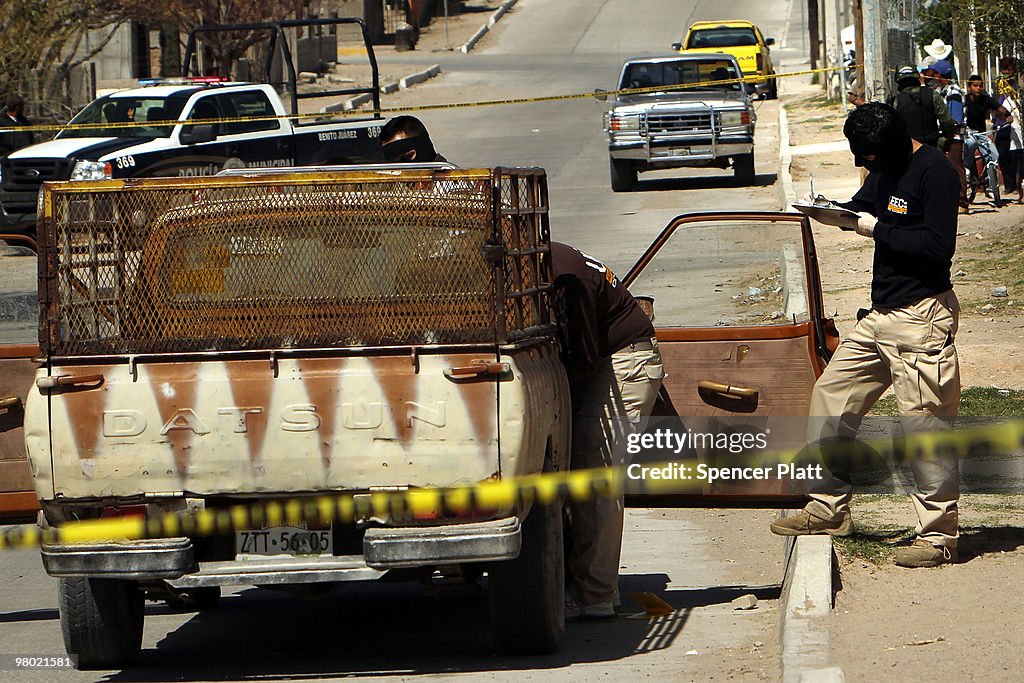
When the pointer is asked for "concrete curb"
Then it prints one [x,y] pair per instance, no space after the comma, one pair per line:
[806,603]
[807,588]
[482,31]
[385,89]
[787,194]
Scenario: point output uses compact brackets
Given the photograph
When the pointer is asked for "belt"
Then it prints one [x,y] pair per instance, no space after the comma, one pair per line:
[645,344]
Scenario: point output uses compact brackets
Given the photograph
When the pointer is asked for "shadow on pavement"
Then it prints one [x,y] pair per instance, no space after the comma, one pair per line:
[29,615]
[700,183]
[371,630]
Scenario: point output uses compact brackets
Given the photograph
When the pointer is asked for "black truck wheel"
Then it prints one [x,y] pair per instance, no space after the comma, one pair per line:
[743,168]
[623,175]
[773,88]
[101,621]
[527,594]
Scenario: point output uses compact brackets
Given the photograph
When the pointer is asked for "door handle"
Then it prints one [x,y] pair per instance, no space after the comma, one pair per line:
[10,403]
[477,370]
[728,397]
[727,389]
[57,381]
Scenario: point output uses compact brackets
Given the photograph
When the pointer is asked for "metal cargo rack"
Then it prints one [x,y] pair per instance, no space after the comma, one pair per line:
[297,260]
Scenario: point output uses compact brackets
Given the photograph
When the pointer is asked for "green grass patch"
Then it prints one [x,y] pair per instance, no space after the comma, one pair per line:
[876,545]
[974,402]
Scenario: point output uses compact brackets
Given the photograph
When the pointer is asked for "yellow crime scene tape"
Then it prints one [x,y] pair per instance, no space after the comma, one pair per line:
[545,489]
[411,108]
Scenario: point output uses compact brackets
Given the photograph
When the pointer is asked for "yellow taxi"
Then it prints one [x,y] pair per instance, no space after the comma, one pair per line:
[741,39]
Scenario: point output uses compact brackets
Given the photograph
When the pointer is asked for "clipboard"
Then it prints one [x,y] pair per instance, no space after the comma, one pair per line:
[829,214]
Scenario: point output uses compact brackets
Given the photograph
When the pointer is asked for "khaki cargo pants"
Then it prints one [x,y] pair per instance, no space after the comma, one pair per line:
[910,348]
[607,405]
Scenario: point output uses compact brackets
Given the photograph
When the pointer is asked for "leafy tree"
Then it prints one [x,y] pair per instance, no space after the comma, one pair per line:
[998,24]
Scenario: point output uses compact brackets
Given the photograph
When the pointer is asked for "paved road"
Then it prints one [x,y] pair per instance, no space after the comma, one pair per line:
[697,560]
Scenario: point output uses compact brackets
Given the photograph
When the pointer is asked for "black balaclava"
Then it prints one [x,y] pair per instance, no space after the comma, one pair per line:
[888,140]
[395,150]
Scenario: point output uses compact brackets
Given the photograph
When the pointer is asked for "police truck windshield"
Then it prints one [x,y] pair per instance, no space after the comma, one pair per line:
[127,117]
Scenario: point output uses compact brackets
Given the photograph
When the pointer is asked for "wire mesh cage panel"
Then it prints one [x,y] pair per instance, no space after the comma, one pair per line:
[294,260]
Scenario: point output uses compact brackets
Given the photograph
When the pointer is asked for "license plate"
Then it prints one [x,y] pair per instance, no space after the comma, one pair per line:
[284,540]
[679,151]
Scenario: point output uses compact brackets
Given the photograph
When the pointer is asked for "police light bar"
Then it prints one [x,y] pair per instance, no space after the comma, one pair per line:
[183,81]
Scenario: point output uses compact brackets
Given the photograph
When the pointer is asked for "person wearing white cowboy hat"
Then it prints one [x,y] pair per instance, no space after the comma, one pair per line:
[938,49]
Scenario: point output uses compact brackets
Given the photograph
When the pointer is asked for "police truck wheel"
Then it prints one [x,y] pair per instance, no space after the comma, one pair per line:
[101,621]
[743,168]
[527,594]
[623,175]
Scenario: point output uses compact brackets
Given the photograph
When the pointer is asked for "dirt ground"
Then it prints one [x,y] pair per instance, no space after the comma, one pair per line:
[956,622]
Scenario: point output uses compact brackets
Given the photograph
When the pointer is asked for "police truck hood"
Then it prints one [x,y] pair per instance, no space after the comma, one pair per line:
[90,149]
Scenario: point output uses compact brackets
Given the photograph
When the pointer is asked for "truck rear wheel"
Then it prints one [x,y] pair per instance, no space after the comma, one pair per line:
[527,594]
[773,88]
[743,168]
[623,175]
[101,621]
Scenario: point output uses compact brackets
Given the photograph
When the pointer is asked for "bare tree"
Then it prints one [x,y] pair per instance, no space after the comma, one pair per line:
[228,46]
[42,44]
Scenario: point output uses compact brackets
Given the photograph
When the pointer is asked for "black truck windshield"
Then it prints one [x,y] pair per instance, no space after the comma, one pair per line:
[127,117]
[658,74]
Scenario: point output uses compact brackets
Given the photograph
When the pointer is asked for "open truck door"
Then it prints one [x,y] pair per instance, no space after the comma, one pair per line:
[737,305]
[19,315]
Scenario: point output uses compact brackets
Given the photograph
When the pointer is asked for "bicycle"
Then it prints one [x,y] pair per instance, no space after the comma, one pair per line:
[983,171]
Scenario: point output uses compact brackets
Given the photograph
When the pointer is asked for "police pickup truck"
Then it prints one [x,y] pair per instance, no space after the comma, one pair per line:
[146,132]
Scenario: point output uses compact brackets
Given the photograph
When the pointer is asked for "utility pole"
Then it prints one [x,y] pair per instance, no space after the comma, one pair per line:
[875,82]
[858,45]
[813,23]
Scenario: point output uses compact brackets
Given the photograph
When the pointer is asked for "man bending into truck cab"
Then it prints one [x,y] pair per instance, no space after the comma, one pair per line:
[615,371]
[405,139]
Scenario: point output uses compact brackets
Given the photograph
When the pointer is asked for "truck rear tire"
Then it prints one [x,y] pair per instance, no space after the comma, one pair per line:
[743,168]
[101,621]
[527,594]
[623,175]
[773,88]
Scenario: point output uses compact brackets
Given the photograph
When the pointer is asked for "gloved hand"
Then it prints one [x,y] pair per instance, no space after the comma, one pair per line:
[865,224]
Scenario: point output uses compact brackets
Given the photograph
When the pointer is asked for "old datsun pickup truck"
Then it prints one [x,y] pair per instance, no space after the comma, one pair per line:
[214,341]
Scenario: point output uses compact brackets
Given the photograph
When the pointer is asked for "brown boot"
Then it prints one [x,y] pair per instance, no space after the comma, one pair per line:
[923,553]
[803,523]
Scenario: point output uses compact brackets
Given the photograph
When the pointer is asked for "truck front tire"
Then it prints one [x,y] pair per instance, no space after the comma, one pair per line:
[527,594]
[101,621]
[623,175]
[743,168]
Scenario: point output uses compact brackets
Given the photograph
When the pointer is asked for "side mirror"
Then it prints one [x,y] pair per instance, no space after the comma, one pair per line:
[601,94]
[769,41]
[677,47]
[193,135]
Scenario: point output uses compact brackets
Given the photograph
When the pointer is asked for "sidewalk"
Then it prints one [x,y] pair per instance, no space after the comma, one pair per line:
[399,70]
